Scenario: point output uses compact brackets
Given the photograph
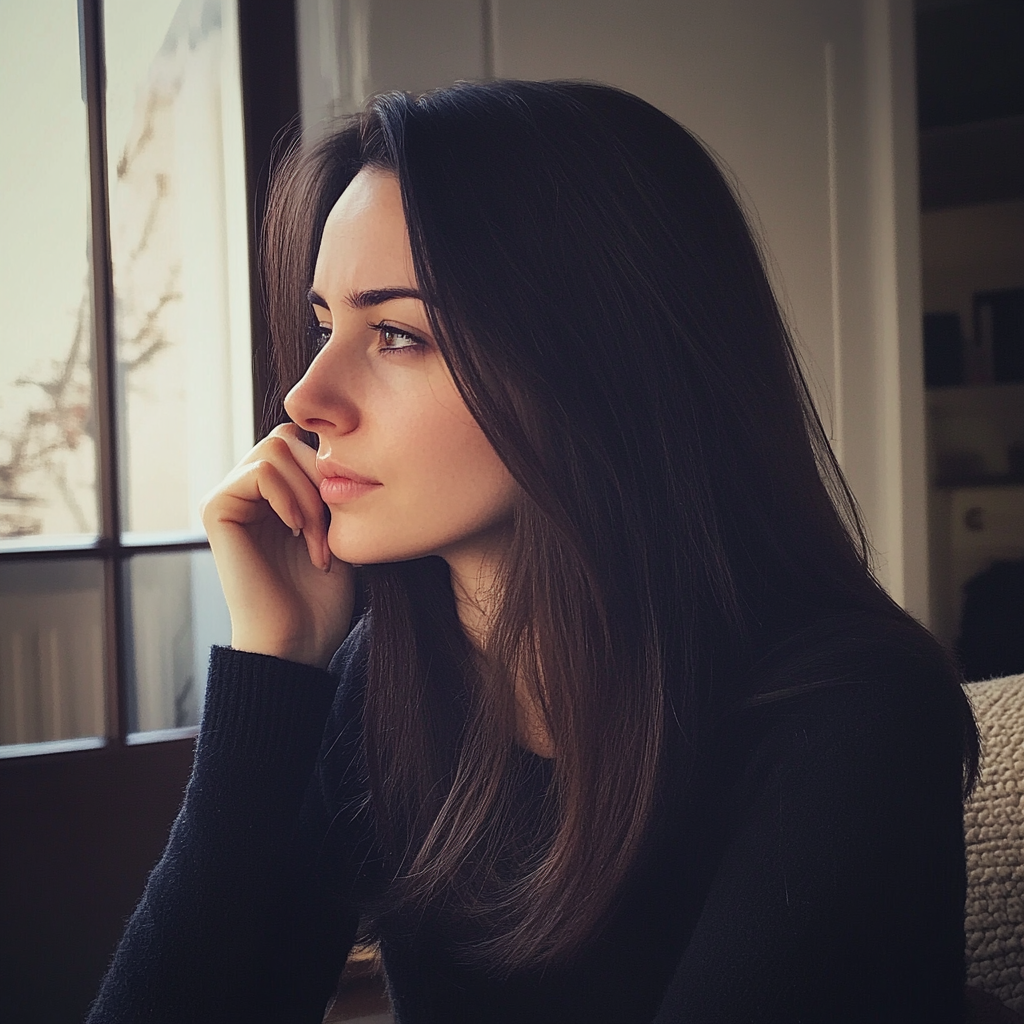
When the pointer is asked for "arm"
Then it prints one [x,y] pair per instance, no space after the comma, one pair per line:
[236,922]
[232,871]
[839,894]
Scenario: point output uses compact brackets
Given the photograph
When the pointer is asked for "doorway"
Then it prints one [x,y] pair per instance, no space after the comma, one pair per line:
[971,124]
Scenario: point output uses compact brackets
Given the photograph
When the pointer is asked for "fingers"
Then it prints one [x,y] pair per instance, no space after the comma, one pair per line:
[280,472]
[304,456]
[305,459]
[280,492]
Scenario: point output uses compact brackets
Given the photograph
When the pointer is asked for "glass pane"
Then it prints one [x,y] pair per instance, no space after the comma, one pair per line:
[47,422]
[176,612]
[51,650]
[179,246]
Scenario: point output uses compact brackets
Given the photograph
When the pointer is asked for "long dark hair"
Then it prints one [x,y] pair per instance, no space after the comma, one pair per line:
[604,311]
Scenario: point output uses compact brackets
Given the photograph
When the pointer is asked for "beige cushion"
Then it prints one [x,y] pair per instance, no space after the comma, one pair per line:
[994,829]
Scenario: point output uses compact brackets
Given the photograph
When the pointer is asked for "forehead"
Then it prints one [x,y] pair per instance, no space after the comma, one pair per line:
[365,243]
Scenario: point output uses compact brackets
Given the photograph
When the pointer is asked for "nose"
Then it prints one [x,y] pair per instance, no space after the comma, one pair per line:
[319,402]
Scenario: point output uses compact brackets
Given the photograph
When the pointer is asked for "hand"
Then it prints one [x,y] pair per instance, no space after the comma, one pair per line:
[287,594]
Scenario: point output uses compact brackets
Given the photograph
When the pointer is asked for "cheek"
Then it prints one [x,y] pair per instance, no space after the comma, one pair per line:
[452,467]
[444,485]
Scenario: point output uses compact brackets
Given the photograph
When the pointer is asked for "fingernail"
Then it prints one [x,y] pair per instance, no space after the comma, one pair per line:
[296,531]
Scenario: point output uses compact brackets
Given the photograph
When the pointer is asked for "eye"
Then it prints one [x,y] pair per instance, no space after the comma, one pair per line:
[394,339]
[319,335]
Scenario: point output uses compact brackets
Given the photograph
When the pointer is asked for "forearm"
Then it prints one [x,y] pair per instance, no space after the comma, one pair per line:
[205,919]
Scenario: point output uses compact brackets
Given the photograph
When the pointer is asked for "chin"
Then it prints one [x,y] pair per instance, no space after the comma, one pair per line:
[376,544]
[373,550]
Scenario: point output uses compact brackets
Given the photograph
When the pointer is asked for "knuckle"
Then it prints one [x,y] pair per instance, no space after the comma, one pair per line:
[284,430]
[208,504]
[265,469]
[276,445]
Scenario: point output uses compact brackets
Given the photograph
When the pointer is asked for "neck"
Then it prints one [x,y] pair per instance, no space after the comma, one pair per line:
[475,584]
[475,566]
[474,578]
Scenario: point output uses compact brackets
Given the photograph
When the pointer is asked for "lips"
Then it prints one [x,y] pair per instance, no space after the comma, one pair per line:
[341,484]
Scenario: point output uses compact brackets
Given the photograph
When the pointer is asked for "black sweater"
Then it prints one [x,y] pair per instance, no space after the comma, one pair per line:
[820,878]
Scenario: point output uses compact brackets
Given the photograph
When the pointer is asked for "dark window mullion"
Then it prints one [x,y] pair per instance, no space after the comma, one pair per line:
[268,58]
[103,550]
[91,15]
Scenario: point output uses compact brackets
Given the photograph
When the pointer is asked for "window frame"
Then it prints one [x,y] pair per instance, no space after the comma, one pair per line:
[270,115]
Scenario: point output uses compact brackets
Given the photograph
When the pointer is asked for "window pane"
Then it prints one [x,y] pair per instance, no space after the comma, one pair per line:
[47,422]
[176,612]
[180,256]
[51,650]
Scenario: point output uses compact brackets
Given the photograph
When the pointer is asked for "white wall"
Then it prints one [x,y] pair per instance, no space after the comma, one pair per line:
[810,103]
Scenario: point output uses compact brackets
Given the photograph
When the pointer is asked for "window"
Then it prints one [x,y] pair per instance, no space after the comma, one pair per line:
[125,361]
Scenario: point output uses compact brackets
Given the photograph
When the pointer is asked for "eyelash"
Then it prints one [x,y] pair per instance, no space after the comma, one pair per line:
[320,334]
[383,329]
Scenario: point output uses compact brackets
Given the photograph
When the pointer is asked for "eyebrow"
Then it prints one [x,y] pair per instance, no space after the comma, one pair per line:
[369,298]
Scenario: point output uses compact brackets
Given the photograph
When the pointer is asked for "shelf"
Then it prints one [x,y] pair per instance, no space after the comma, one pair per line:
[979,482]
[1002,388]
[1005,399]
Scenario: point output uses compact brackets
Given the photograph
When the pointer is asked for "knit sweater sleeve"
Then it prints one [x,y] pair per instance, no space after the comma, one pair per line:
[839,894]
[235,923]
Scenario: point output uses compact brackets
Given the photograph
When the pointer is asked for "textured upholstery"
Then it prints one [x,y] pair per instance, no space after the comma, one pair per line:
[994,828]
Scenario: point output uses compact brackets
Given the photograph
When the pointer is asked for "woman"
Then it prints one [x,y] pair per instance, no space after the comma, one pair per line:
[628,731]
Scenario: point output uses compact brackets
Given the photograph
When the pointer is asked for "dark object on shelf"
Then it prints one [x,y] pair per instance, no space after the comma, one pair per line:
[943,350]
[1015,457]
[992,625]
[999,328]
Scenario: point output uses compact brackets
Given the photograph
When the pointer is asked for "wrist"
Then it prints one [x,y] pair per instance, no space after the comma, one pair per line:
[302,653]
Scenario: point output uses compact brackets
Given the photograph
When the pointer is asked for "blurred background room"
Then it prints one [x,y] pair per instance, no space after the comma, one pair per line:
[878,146]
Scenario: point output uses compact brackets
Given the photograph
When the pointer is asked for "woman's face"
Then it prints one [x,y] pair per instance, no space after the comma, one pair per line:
[407,472]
